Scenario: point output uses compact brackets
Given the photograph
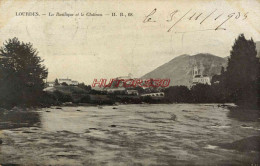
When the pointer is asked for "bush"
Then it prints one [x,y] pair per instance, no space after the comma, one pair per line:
[85,99]
[47,99]
[148,99]
[201,93]
[179,94]
[64,84]
[62,97]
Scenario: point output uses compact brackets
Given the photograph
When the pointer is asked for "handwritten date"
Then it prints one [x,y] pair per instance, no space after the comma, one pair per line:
[200,17]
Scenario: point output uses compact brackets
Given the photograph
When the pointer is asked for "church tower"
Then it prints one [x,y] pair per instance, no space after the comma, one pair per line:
[195,71]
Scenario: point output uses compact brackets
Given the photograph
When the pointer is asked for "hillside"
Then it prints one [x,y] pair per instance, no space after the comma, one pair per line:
[179,69]
[66,89]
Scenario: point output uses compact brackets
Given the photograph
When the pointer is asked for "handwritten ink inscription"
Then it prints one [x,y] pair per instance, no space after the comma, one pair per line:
[199,17]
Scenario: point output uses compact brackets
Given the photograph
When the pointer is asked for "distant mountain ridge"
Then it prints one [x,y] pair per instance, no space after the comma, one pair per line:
[179,69]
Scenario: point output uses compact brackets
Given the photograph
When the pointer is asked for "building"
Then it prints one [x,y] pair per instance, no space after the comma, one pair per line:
[68,81]
[128,77]
[198,77]
[159,94]
[201,79]
[120,90]
[50,84]
[132,92]
[74,83]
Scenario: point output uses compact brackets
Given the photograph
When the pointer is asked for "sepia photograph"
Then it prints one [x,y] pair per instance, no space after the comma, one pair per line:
[129,83]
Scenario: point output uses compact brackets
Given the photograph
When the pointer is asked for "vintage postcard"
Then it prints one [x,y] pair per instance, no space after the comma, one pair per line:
[132,82]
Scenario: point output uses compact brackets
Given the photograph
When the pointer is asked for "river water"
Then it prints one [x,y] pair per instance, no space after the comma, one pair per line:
[159,134]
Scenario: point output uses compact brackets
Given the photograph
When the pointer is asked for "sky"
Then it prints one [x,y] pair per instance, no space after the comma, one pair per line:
[86,47]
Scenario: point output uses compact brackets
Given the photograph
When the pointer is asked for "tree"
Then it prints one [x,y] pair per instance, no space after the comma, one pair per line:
[62,97]
[88,88]
[22,74]
[56,82]
[139,89]
[64,84]
[82,85]
[222,70]
[85,87]
[201,93]
[178,94]
[85,99]
[242,73]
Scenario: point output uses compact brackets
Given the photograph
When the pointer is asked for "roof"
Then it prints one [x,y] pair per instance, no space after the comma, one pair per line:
[64,79]
[200,76]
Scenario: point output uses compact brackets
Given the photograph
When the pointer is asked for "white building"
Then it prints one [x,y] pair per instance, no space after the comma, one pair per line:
[50,84]
[68,81]
[115,90]
[198,77]
[132,92]
[129,77]
[159,94]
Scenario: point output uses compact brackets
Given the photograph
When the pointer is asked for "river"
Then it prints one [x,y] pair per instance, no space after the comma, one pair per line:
[144,134]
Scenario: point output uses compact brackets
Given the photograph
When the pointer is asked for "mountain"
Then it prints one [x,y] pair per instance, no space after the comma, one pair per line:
[179,69]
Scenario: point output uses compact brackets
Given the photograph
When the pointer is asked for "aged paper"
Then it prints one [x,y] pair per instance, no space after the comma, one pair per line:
[129,82]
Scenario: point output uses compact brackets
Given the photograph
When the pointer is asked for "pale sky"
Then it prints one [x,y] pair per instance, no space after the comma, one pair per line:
[83,48]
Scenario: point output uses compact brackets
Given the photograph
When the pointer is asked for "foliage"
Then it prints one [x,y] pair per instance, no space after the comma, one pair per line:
[64,84]
[22,74]
[62,97]
[241,78]
[199,93]
[139,89]
[85,87]
[85,99]
[149,99]
[47,99]
[178,94]
[96,92]
[56,82]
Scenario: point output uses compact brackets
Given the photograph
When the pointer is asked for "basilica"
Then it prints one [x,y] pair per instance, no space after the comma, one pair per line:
[198,77]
